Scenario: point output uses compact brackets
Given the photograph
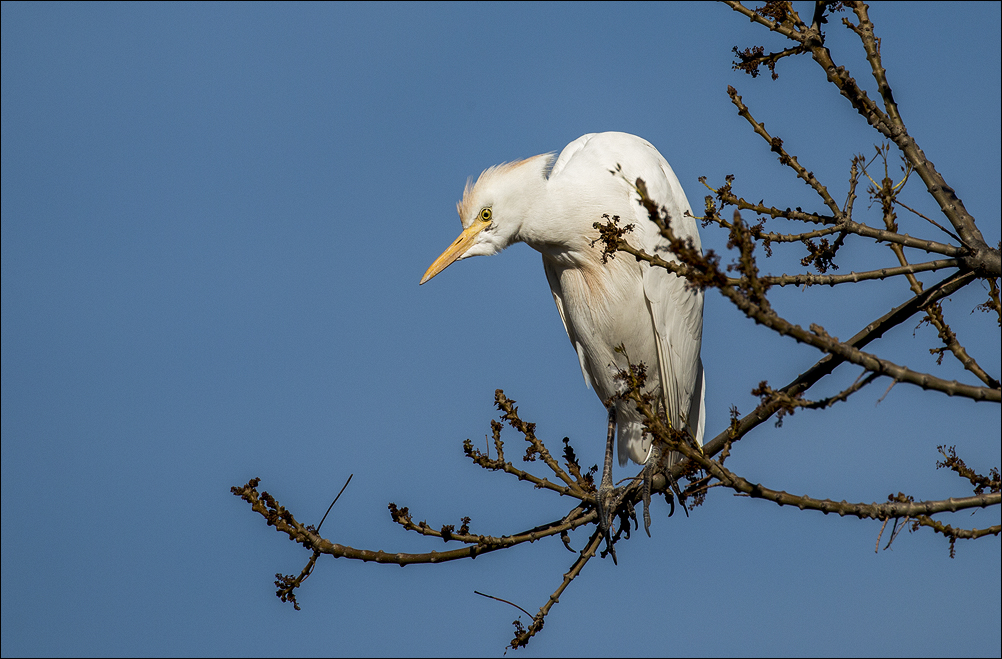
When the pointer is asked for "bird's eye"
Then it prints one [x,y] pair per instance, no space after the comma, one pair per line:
[485,215]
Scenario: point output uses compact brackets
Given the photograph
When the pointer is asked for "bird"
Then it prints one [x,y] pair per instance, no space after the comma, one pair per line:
[649,313]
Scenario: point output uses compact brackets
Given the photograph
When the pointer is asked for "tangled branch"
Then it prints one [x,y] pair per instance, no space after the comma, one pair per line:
[820,237]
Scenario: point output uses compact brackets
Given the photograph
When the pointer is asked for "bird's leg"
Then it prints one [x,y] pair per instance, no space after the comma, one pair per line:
[653,458]
[606,504]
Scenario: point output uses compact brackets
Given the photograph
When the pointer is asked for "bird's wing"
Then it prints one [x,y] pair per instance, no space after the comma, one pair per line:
[554,279]
[676,311]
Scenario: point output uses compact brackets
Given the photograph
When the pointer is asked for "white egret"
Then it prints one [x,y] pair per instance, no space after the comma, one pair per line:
[552,207]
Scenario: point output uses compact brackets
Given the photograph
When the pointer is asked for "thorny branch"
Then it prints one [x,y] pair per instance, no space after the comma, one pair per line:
[823,236]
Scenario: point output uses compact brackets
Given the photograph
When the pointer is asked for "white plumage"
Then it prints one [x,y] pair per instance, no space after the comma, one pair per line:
[552,207]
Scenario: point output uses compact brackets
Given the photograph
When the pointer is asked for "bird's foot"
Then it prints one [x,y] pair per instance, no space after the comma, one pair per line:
[606,503]
[673,487]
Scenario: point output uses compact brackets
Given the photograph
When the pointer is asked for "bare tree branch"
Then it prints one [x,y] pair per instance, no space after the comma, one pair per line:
[743,283]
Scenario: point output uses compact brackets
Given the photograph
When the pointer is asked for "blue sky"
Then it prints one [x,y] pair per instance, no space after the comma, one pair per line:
[214,219]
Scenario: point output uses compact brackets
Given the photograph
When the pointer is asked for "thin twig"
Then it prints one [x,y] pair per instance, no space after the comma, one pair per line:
[334,501]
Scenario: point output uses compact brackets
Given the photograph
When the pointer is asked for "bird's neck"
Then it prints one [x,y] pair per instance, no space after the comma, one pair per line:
[559,230]
[528,199]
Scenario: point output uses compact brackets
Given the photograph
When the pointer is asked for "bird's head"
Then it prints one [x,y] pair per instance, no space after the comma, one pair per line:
[493,209]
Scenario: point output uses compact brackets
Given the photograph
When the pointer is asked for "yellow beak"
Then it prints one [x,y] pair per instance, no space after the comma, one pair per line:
[458,247]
